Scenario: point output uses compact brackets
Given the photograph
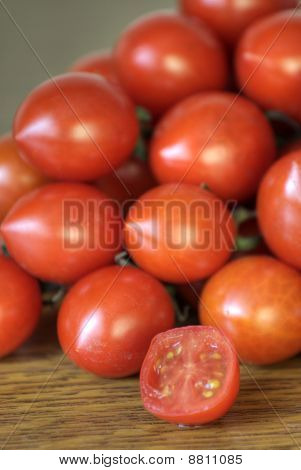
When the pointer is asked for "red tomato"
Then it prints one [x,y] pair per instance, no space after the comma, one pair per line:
[190,375]
[279,208]
[129,182]
[76,127]
[100,62]
[20,306]
[109,318]
[256,301]
[179,233]
[16,177]
[268,64]
[219,139]
[229,18]
[62,231]
[162,58]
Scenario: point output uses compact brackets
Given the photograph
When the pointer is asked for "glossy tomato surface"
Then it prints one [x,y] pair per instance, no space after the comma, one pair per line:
[16,176]
[190,375]
[268,64]
[215,138]
[20,305]
[256,301]
[279,208]
[229,18]
[179,233]
[129,182]
[98,62]
[108,319]
[62,231]
[76,127]
[162,58]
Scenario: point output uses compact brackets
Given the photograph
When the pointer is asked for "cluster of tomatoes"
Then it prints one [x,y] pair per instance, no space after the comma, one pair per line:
[179,148]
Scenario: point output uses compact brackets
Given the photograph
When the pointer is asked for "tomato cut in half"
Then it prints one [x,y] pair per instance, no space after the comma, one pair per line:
[190,375]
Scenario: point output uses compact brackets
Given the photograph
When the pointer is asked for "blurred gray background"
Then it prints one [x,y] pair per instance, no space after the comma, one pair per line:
[59,31]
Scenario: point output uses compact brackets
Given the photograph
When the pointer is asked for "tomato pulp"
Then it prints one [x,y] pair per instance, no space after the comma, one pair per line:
[190,375]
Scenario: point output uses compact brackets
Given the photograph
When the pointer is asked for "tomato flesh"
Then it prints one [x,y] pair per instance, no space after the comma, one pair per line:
[190,375]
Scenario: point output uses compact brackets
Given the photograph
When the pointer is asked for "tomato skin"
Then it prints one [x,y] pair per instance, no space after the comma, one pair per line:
[272,79]
[158,220]
[195,143]
[62,129]
[98,62]
[279,208]
[229,18]
[16,177]
[205,414]
[37,233]
[129,182]
[162,58]
[256,302]
[127,307]
[20,306]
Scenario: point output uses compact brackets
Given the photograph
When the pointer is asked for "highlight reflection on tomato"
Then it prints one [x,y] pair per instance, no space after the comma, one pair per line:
[16,176]
[109,318]
[279,208]
[215,138]
[63,231]
[268,63]
[256,302]
[190,375]
[229,18]
[101,63]
[162,58]
[76,127]
[20,305]
[179,233]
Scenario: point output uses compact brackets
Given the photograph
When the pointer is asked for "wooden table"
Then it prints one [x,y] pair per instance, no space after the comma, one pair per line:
[48,403]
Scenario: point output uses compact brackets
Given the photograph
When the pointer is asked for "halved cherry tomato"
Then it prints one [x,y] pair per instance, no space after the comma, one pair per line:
[108,319]
[229,18]
[129,182]
[162,58]
[279,208]
[20,305]
[98,62]
[268,65]
[62,231]
[179,233]
[16,177]
[256,302]
[190,375]
[76,127]
[215,138]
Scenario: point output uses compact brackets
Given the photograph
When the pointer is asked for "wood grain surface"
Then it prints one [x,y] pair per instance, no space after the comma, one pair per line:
[48,403]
